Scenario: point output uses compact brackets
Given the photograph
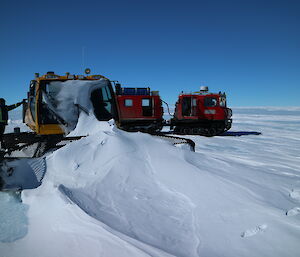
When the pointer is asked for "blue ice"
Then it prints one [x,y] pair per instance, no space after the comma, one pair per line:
[13,217]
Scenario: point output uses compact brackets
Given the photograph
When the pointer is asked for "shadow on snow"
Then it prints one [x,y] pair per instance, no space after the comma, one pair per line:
[239,133]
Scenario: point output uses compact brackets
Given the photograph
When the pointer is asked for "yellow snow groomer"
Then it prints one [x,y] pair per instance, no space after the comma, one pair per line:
[36,113]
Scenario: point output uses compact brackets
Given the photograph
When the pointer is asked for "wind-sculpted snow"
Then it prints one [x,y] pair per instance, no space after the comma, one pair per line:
[115,193]
[121,190]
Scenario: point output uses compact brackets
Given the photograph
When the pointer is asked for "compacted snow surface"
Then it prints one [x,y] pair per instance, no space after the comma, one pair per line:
[114,194]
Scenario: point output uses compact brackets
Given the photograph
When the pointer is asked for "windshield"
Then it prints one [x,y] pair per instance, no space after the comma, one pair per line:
[222,100]
[50,90]
[103,103]
[210,101]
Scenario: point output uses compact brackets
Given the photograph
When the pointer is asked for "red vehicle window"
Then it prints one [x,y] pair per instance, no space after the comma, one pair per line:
[147,107]
[210,102]
[128,102]
[146,102]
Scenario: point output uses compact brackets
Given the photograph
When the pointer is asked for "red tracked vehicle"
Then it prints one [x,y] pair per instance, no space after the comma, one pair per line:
[201,113]
[139,109]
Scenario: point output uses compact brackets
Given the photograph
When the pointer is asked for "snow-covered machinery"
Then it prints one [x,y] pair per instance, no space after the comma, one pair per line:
[201,113]
[52,110]
[44,94]
[55,102]
[54,105]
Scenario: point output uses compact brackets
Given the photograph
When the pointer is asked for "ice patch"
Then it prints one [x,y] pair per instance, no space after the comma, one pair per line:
[13,219]
[254,231]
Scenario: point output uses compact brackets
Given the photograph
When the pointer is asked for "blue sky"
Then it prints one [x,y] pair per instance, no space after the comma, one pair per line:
[249,49]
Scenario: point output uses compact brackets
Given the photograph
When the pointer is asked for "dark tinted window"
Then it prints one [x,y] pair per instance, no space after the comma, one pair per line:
[210,102]
[186,106]
[31,98]
[102,103]
[147,107]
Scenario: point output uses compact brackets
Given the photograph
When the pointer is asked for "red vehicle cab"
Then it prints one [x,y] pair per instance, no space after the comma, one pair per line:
[202,113]
[139,109]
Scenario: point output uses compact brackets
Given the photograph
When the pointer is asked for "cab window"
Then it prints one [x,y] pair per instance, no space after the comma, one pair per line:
[186,106]
[194,102]
[222,101]
[147,107]
[210,102]
[31,98]
[146,102]
[128,102]
[48,93]
[103,103]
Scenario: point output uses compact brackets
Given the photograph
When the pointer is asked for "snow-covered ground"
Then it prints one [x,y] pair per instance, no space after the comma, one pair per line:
[130,194]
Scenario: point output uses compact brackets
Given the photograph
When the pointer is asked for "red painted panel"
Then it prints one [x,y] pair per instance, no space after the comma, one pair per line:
[136,111]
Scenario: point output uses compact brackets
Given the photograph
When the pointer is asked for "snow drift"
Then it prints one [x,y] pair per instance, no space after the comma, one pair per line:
[115,193]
